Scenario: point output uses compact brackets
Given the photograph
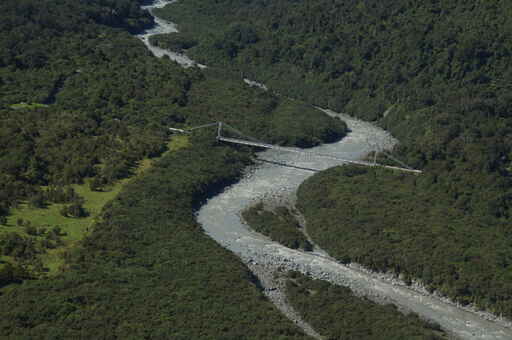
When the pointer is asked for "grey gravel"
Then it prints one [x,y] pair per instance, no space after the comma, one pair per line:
[164,27]
[220,218]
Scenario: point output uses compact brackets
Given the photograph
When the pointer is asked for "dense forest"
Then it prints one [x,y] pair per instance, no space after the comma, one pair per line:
[364,216]
[83,101]
[434,73]
[337,314]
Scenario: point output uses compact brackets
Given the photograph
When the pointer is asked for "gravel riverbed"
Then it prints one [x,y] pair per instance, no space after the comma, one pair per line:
[164,27]
[220,218]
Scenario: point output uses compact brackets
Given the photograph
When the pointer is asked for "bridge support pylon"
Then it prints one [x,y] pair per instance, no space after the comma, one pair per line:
[219,129]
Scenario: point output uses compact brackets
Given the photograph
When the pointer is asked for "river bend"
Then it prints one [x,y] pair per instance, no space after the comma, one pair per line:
[220,219]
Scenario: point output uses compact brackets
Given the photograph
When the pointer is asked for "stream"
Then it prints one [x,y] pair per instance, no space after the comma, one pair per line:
[164,27]
[220,219]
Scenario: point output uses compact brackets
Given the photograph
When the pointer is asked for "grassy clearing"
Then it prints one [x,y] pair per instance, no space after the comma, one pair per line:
[74,229]
[178,142]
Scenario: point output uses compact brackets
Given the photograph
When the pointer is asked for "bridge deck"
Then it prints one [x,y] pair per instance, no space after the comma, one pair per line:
[310,153]
[220,126]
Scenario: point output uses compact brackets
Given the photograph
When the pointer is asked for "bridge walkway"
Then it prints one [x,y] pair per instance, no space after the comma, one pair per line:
[253,142]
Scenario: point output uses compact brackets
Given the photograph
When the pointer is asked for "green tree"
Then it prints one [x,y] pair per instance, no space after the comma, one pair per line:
[37,200]
[11,274]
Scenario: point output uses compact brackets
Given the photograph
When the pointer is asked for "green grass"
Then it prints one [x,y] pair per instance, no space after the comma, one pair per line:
[178,142]
[75,229]
[28,106]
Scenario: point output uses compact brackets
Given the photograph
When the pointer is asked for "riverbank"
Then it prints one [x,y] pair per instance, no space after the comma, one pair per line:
[162,26]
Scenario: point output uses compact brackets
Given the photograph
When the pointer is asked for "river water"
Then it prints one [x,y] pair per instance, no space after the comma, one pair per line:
[220,219]
[164,27]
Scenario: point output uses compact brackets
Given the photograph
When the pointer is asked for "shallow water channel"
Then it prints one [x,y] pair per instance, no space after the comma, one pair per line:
[164,27]
[220,219]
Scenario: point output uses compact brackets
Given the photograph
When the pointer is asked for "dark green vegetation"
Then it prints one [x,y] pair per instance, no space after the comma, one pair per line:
[363,215]
[437,75]
[82,100]
[173,42]
[148,270]
[259,114]
[279,224]
[337,314]
[360,56]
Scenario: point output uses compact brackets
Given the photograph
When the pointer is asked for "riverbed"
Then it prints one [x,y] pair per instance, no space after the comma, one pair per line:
[220,218]
[164,27]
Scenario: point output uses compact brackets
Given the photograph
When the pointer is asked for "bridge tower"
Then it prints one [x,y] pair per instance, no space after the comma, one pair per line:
[219,129]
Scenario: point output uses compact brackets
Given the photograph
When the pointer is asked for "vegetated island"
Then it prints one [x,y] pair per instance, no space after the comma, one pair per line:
[278,223]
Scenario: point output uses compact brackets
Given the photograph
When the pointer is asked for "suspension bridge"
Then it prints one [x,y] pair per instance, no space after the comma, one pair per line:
[249,141]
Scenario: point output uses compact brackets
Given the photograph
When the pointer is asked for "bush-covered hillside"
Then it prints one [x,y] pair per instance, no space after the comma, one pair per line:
[360,56]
